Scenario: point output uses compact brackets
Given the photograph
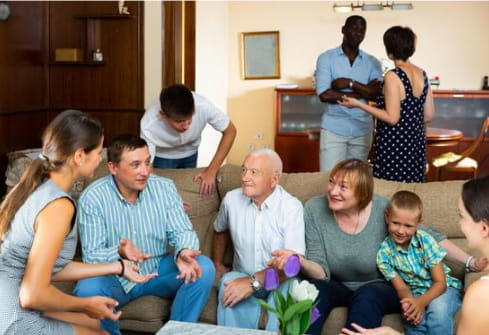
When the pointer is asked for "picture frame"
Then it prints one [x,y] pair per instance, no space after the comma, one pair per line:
[260,55]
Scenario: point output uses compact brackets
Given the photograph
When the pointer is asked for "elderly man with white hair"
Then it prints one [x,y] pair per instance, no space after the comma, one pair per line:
[260,217]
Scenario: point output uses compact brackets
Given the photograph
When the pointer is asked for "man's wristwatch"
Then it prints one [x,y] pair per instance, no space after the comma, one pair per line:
[255,283]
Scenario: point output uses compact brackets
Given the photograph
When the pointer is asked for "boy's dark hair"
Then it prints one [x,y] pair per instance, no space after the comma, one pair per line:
[406,200]
[400,42]
[177,101]
[475,196]
[121,142]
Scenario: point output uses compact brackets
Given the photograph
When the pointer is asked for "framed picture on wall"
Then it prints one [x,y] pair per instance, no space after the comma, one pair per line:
[260,55]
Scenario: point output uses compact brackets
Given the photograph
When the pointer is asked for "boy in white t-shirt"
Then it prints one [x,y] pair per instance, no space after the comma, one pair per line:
[173,127]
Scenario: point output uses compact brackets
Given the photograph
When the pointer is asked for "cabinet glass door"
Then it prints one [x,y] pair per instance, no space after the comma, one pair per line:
[299,112]
[464,114]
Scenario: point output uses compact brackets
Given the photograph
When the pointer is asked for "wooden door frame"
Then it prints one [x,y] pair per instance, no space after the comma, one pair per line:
[178,43]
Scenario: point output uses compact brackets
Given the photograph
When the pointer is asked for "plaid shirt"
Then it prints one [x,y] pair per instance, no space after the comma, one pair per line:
[414,265]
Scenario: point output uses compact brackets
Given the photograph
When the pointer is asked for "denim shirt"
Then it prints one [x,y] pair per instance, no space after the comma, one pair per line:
[334,64]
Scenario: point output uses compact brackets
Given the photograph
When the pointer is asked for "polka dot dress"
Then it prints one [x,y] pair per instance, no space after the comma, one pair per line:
[400,150]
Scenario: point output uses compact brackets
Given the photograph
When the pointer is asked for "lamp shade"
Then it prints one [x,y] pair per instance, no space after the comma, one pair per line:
[402,6]
[342,8]
[372,6]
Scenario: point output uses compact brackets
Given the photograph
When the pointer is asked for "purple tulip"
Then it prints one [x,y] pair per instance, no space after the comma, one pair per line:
[271,279]
[292,266]
[314,315]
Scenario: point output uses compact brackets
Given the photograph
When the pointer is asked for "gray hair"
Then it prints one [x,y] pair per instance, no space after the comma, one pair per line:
[272,155]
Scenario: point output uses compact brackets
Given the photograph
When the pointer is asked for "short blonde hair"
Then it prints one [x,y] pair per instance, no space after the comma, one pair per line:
[406,200]
[361,179]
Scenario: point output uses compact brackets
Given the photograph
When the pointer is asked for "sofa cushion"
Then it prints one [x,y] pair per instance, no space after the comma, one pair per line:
[440,202]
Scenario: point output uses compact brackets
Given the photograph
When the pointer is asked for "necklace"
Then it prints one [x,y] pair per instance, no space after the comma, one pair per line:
[357,224]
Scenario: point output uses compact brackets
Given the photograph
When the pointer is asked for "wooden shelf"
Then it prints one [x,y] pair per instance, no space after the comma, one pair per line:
[103,16]
[79,63]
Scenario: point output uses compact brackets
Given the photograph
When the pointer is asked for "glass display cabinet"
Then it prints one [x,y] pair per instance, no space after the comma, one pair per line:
[298,120]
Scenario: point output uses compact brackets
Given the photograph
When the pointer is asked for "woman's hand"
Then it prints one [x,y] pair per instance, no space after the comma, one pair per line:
[101,308]
[280,257]
[131,272]
[349,102]
[478,264]
[375,331]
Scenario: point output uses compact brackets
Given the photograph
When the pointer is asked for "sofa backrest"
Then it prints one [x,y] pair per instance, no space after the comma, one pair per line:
[439,198]
[203,210]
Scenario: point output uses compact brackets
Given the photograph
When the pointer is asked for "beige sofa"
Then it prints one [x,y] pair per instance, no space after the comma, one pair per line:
[148,313]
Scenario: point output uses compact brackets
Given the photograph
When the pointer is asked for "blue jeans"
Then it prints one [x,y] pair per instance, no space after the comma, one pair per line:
[177,163]
[439,315]
[246,314]
[334,148]
[366,306]
[189,300]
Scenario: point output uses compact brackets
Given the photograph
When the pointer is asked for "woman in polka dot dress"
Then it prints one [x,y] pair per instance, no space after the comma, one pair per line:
[402,112]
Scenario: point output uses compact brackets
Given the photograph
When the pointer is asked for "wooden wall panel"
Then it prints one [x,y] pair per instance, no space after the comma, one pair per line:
[23,79]
[35,88]
[115,84]
[23,72]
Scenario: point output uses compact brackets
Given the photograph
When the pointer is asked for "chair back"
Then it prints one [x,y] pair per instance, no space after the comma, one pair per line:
[471,148]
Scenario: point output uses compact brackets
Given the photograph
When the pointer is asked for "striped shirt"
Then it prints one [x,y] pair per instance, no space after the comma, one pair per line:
[155,221]
[414,265]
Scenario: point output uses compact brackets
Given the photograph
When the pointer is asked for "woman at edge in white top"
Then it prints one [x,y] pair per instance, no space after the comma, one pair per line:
[72,146]
[474,221]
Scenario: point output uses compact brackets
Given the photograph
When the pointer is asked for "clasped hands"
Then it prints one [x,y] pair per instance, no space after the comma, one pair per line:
[412,310]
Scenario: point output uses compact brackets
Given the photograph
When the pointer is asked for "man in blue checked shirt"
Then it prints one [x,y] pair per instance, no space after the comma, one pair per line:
[136,215]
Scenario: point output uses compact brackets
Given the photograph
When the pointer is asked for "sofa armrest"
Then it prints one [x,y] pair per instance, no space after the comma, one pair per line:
[471,277]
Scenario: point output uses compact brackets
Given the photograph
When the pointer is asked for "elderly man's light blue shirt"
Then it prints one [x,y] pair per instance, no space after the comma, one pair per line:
[334,64]
[155,221]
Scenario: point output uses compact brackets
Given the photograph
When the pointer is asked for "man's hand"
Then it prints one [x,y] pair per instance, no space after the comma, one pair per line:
[130,251]
[186,207]
[207,182]
[236,290]
[375,85]
[341,83]
[188,266]
[221,269]
[131,272]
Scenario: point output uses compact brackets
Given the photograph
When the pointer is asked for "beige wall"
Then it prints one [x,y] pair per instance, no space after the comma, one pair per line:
[152,51]
[453,43]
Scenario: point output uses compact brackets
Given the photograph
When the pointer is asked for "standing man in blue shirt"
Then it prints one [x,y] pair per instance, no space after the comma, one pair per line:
[135,215]
[346,70]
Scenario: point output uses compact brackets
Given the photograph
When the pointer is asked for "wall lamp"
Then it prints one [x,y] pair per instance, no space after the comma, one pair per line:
[345,8]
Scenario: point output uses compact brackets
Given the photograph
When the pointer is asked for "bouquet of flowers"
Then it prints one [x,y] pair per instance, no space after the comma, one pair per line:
[296,310]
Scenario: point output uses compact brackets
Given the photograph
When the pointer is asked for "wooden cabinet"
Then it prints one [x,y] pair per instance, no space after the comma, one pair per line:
[297,110]
[300,110]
